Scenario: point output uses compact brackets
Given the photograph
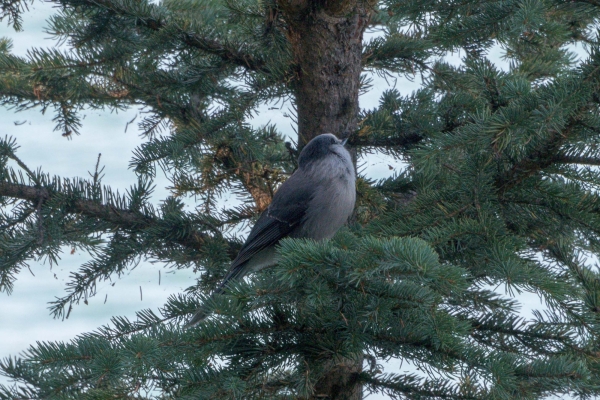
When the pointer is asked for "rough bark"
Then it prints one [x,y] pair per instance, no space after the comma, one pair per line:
[326,39]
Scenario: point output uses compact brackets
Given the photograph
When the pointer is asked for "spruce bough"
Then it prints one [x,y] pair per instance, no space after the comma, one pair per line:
[499,191]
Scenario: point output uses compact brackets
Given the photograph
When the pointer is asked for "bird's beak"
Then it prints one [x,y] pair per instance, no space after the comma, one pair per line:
[344,141]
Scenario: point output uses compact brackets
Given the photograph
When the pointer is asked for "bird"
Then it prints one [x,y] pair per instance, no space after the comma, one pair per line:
[313,203]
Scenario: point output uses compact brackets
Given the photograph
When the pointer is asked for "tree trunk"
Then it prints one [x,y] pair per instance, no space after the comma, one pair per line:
[326,38]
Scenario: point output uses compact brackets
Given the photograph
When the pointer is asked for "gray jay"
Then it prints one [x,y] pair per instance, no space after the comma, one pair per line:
[313,203]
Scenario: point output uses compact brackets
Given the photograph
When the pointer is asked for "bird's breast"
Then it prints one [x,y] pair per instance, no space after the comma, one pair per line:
[332,203]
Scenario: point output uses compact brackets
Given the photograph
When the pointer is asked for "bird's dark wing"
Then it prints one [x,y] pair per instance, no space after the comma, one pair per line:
[283,214]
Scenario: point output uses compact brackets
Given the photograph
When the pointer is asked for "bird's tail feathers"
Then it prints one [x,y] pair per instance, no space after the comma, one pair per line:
[235,273]
[205,310]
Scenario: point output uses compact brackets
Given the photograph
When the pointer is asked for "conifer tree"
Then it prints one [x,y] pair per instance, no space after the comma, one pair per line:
[500,190]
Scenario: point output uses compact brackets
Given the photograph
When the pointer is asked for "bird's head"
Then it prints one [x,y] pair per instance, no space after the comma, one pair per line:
[322,146]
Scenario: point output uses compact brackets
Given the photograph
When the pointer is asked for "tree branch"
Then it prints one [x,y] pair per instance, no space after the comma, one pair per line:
[236,57]
[538,159]
[212,46]
[576,160]
[125,219]
[406,140]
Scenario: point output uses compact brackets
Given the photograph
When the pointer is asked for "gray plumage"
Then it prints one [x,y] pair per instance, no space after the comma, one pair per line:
[313,203]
